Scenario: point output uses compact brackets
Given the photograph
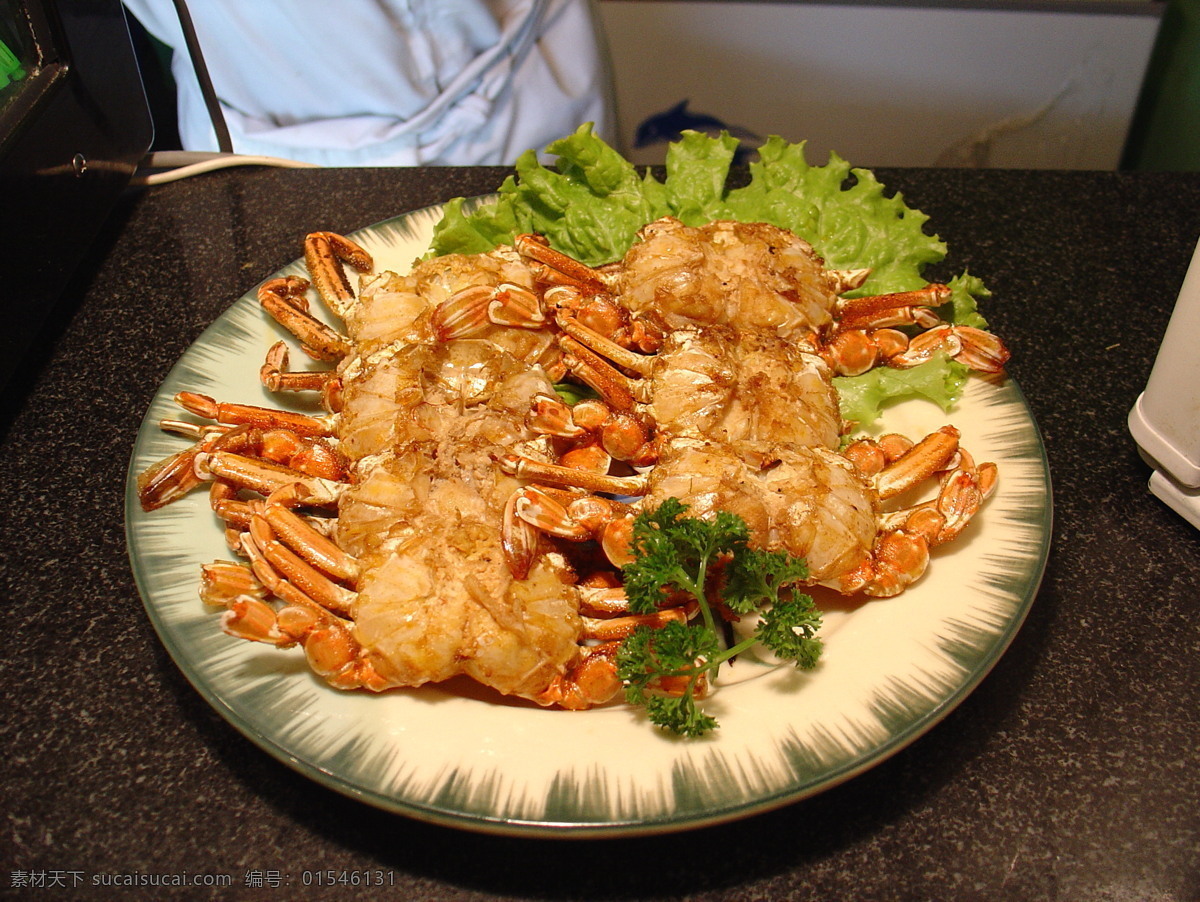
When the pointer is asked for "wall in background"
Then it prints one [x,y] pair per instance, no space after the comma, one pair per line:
[1048,86]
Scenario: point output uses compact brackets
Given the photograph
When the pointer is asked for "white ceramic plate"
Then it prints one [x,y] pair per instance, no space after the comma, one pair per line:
[890,671]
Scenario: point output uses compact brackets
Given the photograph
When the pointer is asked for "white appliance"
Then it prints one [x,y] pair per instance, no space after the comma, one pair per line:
[1165,421]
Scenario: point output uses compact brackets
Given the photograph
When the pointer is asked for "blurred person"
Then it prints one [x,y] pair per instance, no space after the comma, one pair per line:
[387,82]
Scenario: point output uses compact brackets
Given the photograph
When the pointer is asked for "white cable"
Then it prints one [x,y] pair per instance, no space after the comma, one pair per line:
[187,164]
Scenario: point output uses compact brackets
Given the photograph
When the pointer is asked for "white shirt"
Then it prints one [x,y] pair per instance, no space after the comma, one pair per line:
[388,82]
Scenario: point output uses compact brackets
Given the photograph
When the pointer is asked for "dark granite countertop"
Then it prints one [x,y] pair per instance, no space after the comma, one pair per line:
[1071,772]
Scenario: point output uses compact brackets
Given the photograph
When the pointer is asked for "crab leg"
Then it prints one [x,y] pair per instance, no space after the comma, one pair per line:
[276,376]
[264,476]
[237,514]
[175,476]
[285,563]
[584,291]
[601,314]
[195,431]
[603,600]
[223,581]
[624,433]
[895,464]
[847,279]
[551,415]
[616,389]
[592,456]
[901,308]
[535,509]
[900,554]
[861,336]
[288,576]
[249,415]
[581,426]
[854,352]
[556,267]
[311,455]
[556,474]
[897,560]
[929,456]
[296,533]
[606,629]
[603,346]
[169,479]
[541,509]
[518,540]
[294,563]
[225,502]
[593,681]
[962,493]
[251,618]
[870,455]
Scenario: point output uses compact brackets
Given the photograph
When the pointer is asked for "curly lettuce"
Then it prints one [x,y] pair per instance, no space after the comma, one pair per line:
[591,204]
[862,398]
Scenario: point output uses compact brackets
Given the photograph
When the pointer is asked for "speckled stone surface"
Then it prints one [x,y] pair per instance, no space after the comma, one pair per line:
[1072,772]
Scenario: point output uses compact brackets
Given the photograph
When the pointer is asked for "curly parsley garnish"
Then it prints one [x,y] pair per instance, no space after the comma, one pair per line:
[710,561]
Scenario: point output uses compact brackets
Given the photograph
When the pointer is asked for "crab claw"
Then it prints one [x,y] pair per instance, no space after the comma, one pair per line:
[169,479]
[324,254]
[551,415]
[471,310]
[518,537]
[284,299]
[976,348]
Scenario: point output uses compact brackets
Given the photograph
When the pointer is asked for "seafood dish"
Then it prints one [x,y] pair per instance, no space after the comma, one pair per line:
[456,512]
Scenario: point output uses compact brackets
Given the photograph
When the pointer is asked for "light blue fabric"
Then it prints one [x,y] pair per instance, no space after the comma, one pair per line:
[389,82]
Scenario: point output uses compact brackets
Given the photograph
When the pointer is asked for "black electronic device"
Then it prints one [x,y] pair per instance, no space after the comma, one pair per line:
[74,124]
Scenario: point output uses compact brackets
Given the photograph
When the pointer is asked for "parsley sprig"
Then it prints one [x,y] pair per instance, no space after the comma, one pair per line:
[709,560]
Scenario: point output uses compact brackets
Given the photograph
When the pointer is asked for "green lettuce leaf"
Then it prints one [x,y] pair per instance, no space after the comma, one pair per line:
[862,398]
[843,213]
[963,307]
[697,170]
[590,206]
